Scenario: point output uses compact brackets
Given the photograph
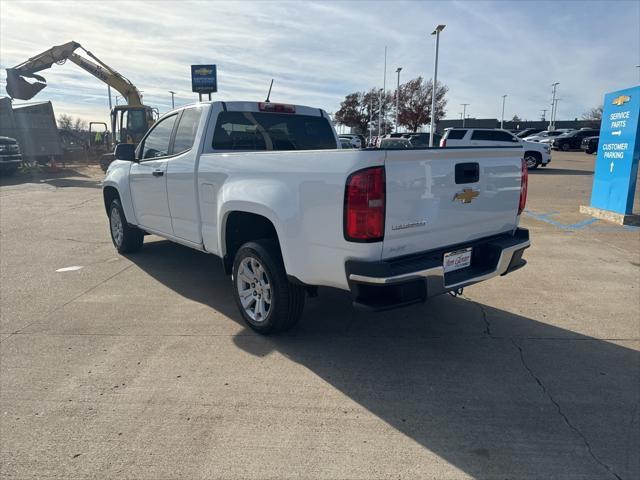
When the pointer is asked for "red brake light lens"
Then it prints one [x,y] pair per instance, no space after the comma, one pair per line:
[443,143]
[364,205]
[524,186]
[276,107]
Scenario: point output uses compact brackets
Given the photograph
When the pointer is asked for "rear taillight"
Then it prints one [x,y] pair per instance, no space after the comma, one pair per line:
[524,184]
[364,205]
[443,142]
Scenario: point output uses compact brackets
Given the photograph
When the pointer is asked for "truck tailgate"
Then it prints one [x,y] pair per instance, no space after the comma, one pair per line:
[431,203]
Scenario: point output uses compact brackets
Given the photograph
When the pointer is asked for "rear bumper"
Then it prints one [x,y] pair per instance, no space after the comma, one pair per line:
[397,282]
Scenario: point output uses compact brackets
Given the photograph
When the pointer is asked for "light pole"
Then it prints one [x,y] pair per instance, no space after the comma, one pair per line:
[370,118]
[555,111]
[398,97]
[436,32]
[504,98]
[384,88]
[544,114]
[173,105]
[553,106]
[464,112]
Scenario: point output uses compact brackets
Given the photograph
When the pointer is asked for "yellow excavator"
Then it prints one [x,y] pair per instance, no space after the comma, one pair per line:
[129,122]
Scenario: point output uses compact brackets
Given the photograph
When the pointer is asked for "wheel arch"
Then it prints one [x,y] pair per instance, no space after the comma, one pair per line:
[240,227]
[109,194]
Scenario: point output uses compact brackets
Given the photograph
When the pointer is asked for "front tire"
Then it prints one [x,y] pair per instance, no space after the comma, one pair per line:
[125,238]
[532,160]
[267,300]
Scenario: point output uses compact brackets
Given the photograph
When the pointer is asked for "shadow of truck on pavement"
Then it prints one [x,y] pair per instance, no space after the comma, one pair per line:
[495,394]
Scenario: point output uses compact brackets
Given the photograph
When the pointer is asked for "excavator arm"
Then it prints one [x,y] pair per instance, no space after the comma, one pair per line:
[18,87]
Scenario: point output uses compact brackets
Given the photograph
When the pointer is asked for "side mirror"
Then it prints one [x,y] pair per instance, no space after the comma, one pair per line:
[126,151]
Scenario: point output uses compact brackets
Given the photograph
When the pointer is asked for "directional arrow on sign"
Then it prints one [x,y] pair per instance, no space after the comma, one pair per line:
[617,133]
[611,167]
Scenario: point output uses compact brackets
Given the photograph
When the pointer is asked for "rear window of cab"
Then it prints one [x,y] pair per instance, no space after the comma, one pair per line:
[251,131]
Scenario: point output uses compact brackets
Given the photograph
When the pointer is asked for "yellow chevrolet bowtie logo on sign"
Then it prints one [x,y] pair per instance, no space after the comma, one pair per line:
[466,196]
[203,71]
[621,100]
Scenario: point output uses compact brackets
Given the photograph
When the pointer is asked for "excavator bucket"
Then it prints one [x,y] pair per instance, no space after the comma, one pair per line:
[18,87]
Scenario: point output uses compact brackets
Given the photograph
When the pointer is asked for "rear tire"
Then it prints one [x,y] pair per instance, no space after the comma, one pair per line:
[125,238]
[267,300]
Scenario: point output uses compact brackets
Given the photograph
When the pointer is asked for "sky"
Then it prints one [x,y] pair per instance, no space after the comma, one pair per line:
[317,52]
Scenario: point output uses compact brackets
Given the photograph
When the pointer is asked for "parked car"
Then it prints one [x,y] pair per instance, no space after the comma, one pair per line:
[286,212]
[421,140]
[535,154]
[395,142]
[346,143]
[527,132]
[10,156]
[546,134]
[590,144]
[357,141]
[573,140]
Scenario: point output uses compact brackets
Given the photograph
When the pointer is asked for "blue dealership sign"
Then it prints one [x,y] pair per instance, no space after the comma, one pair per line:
[204,79]
[616,169]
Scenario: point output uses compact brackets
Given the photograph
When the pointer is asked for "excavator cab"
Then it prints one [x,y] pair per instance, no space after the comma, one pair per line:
[130,123]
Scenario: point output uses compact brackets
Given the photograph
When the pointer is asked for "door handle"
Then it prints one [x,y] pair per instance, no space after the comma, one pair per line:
[157,173]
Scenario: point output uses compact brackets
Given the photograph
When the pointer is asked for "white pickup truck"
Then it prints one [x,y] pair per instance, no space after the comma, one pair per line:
[266,187]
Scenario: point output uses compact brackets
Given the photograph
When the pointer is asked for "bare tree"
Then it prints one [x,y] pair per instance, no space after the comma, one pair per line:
[415,103]
[65,122]
[516,118]
[79,125]
[358,107]
[593,114]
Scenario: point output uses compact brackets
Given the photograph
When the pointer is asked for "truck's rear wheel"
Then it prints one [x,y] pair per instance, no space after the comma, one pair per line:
[125,238]
[267,300]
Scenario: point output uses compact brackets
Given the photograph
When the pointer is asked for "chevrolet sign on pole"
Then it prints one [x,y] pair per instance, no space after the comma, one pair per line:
[204,79]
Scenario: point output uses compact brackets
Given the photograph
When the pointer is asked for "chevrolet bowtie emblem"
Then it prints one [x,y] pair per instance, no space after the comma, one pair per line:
[621,100]
[466,196]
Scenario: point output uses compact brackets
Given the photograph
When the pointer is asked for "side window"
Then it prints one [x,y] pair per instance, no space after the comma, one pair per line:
[456,134]
[492,135]
[482,135]
[186,131]
[157,142]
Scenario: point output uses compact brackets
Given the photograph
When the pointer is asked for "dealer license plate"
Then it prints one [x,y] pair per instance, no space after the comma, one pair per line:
[457,260]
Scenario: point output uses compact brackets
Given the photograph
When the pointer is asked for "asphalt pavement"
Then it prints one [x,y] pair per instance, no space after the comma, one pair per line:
[139,366]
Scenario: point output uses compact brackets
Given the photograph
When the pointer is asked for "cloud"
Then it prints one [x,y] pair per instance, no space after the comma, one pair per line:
[319,52]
